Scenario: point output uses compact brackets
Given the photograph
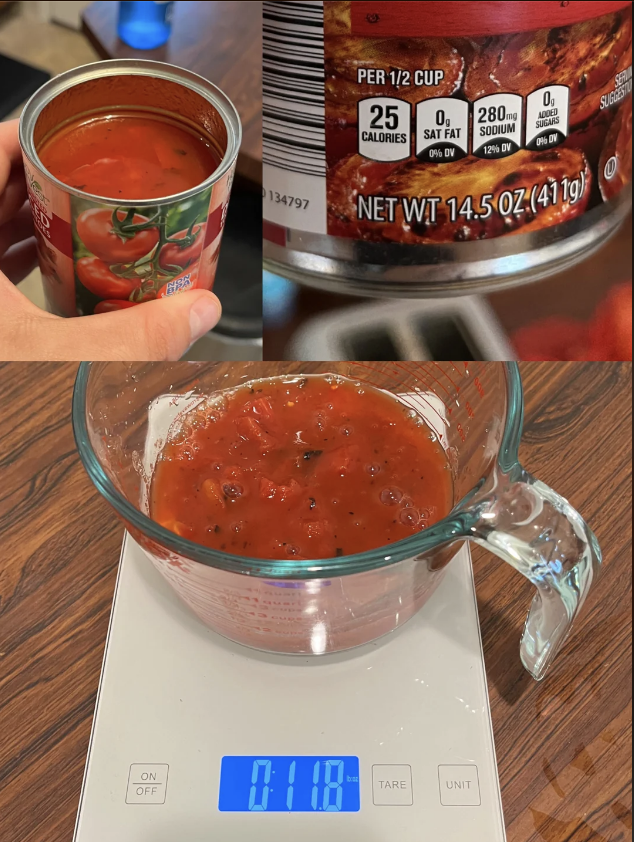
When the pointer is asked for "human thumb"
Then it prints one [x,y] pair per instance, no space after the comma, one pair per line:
[156,330]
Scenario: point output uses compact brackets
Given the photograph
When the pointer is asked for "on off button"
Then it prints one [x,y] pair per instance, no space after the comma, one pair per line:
[147,784]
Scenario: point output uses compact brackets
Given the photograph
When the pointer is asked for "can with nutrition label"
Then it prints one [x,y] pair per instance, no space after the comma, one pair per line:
[426,148]
[129,168]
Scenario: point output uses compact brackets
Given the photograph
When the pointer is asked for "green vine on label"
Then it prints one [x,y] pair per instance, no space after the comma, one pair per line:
[149,266]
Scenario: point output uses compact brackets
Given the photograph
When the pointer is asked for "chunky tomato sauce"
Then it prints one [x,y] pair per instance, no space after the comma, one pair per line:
[305,468]
[129,155]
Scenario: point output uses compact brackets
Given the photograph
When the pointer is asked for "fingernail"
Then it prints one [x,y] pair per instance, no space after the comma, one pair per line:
[203,316]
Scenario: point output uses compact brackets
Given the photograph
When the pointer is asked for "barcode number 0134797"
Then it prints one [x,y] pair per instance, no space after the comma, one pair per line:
[289,201]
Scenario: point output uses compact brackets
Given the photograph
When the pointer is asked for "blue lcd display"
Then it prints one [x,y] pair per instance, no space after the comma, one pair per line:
[289,785]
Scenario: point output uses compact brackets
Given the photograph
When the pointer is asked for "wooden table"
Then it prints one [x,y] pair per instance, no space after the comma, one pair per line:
[563,746]
[221,41]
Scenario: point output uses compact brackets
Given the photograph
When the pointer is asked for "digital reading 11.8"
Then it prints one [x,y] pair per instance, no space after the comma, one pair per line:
[289,785]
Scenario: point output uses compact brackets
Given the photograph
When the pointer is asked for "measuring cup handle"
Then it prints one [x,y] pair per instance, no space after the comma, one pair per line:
[542,536]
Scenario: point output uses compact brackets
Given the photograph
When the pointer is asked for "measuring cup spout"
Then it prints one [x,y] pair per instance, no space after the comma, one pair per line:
[541,535]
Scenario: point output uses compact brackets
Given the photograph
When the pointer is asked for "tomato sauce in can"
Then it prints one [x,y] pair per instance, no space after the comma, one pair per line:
[426,148]
[129,168]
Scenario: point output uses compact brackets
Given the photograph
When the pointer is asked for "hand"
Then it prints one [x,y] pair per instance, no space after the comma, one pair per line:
[158,330]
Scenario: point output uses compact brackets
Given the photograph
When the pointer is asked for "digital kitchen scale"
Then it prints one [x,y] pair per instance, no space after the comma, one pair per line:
[197,739]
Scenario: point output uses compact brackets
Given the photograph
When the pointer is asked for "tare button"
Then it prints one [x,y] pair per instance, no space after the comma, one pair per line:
[459,786]
[392,786]
[147,784]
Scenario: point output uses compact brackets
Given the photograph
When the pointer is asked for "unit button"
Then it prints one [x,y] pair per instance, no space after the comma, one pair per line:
[392,786]
[459,786]
[147,784]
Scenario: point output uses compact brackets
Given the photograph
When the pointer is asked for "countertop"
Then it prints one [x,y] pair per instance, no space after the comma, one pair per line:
[563,745]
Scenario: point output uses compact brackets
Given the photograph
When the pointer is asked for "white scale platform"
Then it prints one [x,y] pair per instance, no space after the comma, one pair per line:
[175,699]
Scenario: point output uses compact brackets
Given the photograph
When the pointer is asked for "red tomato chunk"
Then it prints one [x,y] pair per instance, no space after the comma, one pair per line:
[307,468]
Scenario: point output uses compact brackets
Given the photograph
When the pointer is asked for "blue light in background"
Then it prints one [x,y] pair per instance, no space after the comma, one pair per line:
[280,300]
[145,25]
[289,785]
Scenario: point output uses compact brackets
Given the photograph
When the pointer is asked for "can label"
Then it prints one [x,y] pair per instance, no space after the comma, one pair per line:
[97,257]
[427,122]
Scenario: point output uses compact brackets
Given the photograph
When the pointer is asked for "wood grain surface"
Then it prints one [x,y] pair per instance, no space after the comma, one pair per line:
[563,746]
[221,41]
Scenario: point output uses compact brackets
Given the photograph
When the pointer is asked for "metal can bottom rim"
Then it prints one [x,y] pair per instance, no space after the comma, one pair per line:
[447,278]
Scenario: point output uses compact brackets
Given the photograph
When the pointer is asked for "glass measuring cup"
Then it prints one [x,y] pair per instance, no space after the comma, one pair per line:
[122,412]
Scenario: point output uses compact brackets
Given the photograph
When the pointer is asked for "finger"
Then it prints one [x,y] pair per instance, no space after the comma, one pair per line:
[22,325]
[19,261]
[13,197]
[16,230]
[154,331]
[9,142]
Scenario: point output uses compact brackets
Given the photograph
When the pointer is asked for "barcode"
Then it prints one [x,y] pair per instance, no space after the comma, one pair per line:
[294,87]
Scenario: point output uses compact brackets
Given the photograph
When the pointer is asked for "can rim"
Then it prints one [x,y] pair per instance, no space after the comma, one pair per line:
[133,67]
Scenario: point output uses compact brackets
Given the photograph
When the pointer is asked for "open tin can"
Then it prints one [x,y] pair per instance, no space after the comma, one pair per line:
[433,149]
[88,245]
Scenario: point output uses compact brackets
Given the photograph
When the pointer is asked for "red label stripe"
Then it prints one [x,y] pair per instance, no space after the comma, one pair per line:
[458,19]
[214,225]
[274,233]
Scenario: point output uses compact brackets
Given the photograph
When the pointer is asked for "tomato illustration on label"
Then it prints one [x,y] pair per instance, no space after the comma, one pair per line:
[183,248]
[104,234]
[131,255]
[97,277]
